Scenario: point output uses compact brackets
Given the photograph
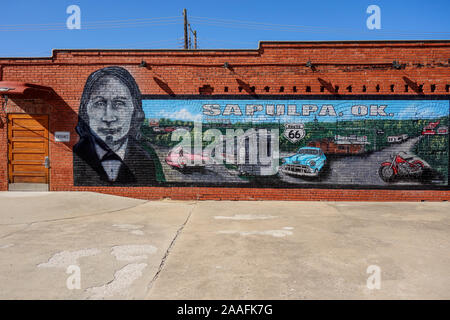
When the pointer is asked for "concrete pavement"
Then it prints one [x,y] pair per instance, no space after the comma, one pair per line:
[118,244]
[134,249]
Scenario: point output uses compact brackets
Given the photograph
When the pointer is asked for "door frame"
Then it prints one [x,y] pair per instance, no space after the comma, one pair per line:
[46,145]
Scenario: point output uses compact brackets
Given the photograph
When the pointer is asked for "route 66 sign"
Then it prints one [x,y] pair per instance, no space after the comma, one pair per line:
[294,132]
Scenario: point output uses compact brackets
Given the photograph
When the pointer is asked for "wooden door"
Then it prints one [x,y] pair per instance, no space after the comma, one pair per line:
[27,148]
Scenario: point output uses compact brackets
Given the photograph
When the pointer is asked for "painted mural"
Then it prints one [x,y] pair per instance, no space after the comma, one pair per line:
[130,141]
[110,150]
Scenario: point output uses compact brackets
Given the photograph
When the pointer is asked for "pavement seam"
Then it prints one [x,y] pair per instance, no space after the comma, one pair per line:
[27,225]
[98,213]
[166,255]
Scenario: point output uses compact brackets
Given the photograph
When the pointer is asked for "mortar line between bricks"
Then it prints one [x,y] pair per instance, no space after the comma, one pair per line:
[166,255]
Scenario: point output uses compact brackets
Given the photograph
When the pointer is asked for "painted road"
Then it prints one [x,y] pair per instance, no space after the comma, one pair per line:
[349,170]
[361,169]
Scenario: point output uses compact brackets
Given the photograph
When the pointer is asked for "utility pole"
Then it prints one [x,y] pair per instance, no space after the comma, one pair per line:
[187,33]
[195,39]
[185,30]
[189,37]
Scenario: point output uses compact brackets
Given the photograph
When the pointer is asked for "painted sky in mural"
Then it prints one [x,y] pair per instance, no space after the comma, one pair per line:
[294,110]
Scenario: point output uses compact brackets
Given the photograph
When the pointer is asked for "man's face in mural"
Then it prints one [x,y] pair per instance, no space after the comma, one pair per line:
[110,110]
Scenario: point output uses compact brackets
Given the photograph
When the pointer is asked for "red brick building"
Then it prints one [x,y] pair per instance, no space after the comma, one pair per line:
[41,106]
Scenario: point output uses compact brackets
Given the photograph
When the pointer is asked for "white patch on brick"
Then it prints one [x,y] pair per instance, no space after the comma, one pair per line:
[137,232]
[288,228]
[273,233]
[123,278]
[64,259]
[6,245]
[132,252]
[244,217]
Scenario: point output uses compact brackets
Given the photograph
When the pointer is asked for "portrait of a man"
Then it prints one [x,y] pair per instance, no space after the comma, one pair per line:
[109,120]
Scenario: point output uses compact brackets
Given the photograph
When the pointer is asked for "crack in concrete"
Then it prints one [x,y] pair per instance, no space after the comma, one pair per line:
[99,213]
[166,255]
[11,233]
[27,225]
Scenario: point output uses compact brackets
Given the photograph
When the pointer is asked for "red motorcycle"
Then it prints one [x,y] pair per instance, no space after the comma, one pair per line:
[400,166]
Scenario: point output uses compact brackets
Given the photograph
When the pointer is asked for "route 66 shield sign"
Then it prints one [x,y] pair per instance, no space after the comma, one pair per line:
[294,132]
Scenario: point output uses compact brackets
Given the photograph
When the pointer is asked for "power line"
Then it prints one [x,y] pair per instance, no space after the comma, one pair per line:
[84,27]
[91,22]
[229,41]
[226,23]
[142,43]
[314,32]
[287,27]
[96,25]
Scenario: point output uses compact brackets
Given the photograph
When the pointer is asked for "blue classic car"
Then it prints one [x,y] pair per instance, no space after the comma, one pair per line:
[308,161]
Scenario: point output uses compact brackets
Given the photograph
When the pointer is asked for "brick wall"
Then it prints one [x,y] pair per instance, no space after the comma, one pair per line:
[338,69]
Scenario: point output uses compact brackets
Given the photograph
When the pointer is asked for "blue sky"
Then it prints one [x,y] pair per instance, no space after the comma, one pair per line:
[33,28]
[191,110]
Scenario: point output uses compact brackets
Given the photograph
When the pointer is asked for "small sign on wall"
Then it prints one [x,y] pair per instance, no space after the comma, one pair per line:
[62,136]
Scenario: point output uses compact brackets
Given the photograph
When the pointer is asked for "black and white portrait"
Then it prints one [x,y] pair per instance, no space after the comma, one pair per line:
[109,120]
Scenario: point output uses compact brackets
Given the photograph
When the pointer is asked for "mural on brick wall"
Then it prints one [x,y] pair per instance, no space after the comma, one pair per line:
[110,149]
[128,141]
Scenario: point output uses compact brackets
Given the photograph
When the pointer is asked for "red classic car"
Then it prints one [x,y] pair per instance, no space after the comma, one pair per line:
[430,129]
[442,130]
[180,158]
[169,129]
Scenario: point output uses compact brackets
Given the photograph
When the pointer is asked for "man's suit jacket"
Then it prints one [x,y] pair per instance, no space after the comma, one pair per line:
[137,169]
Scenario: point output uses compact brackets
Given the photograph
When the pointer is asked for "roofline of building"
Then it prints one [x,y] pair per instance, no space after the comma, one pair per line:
[260,46]
[353,41]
